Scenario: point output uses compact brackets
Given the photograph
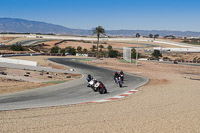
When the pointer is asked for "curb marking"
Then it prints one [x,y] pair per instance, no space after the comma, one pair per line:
[113,98]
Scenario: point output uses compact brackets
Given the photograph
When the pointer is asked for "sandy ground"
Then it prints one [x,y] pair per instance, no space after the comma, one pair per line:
[4,40]
[10,85]
[114,44]
[118,44]
[15,80]
[135,44]
[170,102]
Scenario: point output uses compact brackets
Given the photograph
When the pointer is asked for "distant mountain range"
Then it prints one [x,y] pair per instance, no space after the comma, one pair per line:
[14,25]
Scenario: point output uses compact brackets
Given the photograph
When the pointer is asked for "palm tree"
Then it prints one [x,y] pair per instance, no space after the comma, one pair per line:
[98,30]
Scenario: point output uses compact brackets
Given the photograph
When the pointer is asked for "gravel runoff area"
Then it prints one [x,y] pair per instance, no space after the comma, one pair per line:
[22,77]
[170,102]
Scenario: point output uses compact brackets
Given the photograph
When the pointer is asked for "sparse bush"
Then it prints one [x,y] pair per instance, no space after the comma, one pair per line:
[54,49]
[79,49]
[166,58]
[93,48]
[62,51]
[101,47]
[113,53]
[156,54]
[17,47]
[71,50]
[109,47]
[85,51]
[133,53]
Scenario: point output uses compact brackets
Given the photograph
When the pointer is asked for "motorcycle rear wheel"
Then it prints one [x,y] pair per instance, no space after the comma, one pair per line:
[120,85]
[102,91]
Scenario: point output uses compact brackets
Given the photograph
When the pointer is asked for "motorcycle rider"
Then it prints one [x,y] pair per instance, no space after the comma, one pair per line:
[95,81]
[89,78]
[121,74]
[116,76]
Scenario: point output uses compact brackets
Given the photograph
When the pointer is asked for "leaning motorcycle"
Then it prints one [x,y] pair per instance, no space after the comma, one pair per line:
[100,87]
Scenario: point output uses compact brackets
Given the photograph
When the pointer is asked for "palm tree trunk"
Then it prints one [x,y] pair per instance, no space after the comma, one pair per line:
[97,55]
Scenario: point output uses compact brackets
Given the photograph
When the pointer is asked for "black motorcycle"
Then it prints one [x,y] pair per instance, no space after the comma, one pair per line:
[118,81]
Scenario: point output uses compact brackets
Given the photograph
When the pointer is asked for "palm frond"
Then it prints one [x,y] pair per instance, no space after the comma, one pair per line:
[99,30]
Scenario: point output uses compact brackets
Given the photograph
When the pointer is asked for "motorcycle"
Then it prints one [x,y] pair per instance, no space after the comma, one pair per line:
[118,81]
[100,87]
[91,84]
[97,86]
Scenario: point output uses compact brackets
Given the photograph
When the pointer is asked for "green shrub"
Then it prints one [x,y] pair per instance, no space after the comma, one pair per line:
[113,53]
[109,47]
[133,53]
[156,54]
[71,50]
[54,49]
[62,51]
[85,51]
[17,47]
[166,58]
[79,49]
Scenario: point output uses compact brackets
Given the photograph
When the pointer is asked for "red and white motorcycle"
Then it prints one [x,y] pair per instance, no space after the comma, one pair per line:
[97,86]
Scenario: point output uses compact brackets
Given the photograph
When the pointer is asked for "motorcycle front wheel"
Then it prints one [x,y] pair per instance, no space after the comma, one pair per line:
[93,88]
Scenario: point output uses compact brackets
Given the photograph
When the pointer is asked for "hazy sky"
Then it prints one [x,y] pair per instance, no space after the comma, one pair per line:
[181,15]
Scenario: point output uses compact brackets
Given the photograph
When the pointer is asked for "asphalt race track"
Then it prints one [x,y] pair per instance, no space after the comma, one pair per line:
[71,92]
